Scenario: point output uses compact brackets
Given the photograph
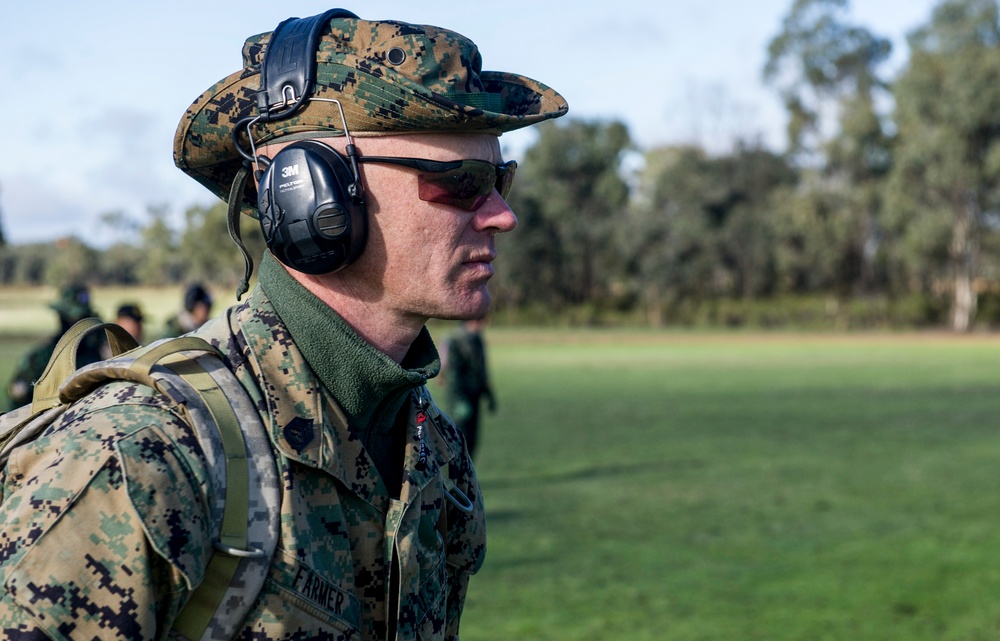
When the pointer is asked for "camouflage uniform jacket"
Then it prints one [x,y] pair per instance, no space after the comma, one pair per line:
[104,528]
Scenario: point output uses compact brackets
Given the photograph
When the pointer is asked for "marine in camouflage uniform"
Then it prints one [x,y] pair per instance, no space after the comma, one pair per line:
[135,508]
[467,379]
[73,304]
[104,524]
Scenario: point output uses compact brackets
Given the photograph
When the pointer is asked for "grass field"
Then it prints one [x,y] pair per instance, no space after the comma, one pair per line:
[694,487]
[24,311]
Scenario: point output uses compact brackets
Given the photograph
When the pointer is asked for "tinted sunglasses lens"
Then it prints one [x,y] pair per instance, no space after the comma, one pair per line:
[466,187]
[505,178]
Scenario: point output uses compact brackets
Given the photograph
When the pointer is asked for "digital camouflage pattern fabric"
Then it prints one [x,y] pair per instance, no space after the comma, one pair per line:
[122,477]
[390,77]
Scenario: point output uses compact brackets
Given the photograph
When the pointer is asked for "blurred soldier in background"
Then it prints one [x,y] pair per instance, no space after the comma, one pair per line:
[197,310]
[130,318]
[73,304]
[467,379]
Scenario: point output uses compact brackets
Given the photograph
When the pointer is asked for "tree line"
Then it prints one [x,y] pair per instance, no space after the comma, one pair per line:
[883,210]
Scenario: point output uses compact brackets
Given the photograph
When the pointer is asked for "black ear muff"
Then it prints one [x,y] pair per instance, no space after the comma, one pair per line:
[311,204]
[309,218]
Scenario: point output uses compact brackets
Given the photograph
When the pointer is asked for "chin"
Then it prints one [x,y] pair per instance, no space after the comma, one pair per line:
[474,307]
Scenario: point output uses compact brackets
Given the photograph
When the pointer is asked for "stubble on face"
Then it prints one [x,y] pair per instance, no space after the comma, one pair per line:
[428,260]
[422,260]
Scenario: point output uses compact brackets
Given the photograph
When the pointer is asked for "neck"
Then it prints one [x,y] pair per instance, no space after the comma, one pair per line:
[390,333]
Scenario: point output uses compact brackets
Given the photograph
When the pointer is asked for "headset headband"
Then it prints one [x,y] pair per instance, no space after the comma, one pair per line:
[287,75]
[289,66]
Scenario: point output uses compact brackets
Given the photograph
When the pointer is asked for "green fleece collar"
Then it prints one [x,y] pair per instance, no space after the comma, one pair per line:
[369,386]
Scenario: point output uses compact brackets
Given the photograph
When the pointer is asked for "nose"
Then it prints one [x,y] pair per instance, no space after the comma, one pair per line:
[495,215]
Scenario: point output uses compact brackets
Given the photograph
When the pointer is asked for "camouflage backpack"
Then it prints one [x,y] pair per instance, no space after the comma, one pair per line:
[245,512]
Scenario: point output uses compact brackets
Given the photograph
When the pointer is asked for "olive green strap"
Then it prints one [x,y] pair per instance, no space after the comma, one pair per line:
[62,364]
[234,522]
[197,614]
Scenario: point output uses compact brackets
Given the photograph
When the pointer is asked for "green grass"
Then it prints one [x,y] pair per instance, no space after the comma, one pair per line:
[672,486]
[677,486]
[26,318]
[24,311]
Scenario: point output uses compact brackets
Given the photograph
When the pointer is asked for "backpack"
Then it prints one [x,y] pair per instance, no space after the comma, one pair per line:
[190,373]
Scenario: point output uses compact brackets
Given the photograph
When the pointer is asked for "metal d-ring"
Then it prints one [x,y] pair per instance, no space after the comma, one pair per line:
[252,553]
[458,498]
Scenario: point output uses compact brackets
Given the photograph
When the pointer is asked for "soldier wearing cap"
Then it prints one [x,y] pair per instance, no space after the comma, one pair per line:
[72,305]
[129,316]
[196,311]
[467,378]
[374,166]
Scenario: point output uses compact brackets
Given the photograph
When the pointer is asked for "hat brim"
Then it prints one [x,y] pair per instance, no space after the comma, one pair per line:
[71,311]
[384,104]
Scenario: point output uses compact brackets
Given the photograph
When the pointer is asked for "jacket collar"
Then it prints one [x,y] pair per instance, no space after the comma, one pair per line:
[308,425]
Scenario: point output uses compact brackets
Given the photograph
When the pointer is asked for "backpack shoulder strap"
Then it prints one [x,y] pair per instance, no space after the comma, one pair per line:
[246,494]
[25,423]
[62,364]
[246,500]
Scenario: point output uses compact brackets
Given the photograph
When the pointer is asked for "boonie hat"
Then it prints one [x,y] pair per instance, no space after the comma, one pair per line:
[73,302]
[390,77]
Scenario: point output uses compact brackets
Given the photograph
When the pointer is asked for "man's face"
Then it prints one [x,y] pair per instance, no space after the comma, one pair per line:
[201,312]
[131,325]
[424,260]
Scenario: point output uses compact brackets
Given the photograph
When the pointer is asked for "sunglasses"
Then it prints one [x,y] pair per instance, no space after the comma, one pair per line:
[465,184]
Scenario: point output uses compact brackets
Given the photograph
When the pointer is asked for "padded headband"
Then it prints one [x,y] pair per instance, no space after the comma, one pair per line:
[289,66]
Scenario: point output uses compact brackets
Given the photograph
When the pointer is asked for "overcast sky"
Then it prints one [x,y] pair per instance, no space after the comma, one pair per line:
[94,90]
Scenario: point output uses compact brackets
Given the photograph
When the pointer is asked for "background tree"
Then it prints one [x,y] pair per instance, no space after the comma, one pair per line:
[206,250]
[163,263]
[858,160]
[669,244]
[746,183]
[73,262]
[3,239]
[817,62]
[25,264]
[829,236]
[702,226]
[568,197]
[121,261]
[828,72]
[948,157]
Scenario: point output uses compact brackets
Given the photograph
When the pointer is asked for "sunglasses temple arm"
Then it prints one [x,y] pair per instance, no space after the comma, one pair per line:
[354,190]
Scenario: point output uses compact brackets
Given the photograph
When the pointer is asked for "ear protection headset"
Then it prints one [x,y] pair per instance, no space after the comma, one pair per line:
[310,199]
[310,219]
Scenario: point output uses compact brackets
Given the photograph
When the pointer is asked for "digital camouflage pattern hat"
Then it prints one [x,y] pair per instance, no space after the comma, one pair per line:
[391,77]
[73,303]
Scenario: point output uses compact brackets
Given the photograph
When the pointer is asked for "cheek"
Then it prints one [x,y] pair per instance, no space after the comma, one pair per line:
[410,252]
[415,239]
[421,234]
